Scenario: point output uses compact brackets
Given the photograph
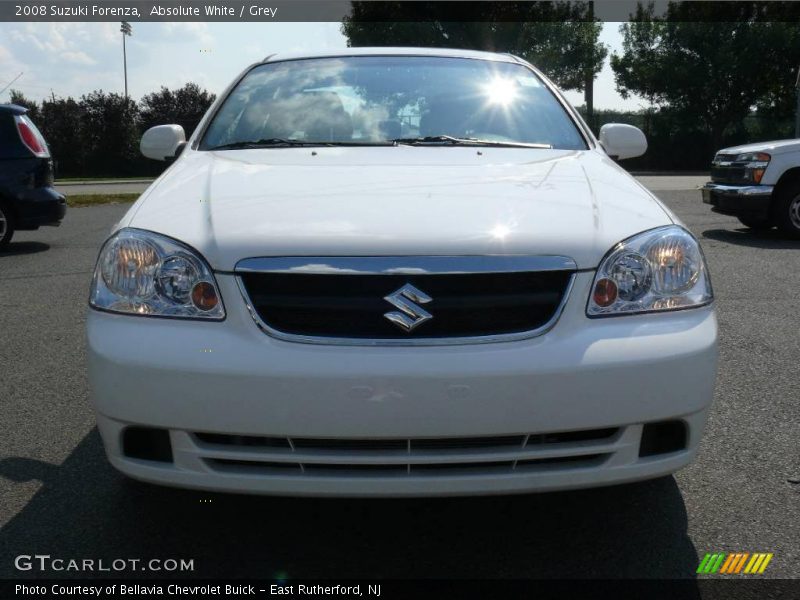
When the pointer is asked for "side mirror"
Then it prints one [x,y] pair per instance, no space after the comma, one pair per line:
[622,141]
[162,142]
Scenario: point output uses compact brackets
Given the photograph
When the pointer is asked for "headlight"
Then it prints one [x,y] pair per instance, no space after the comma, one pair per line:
[658,270]
[757,163]
[753,157]
[144,273]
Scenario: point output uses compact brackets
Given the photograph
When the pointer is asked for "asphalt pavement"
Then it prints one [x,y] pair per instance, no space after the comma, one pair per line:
[59,496]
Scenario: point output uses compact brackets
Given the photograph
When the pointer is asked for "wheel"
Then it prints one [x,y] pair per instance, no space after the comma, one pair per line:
[787,210]
[755,222]
[6,226]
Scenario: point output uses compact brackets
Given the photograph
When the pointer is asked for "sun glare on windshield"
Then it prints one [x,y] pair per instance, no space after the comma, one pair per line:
[501,91]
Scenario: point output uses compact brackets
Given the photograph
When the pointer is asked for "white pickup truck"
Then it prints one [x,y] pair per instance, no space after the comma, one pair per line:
[759,184]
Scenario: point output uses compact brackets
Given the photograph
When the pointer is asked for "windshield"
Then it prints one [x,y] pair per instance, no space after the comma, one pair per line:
[368,100]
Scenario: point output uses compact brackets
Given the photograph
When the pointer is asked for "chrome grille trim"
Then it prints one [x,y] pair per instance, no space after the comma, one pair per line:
[404,265]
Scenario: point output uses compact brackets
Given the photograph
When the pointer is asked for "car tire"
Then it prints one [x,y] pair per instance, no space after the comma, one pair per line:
[758,223]
[6,226]
[787,210]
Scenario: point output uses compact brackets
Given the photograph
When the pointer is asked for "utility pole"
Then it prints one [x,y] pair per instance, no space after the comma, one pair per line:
[588,82]
[126,31]
[797,110]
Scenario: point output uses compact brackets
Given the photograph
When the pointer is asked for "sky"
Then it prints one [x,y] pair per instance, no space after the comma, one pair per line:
[72,59]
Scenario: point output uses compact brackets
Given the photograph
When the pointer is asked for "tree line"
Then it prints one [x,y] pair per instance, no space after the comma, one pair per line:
[98,134]
[712,75]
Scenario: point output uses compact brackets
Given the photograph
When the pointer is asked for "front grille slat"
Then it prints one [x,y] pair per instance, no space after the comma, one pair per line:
[358,304]
[732,174]
[243,467]
[405,456]
[513,441]
[463,305]
[411,445]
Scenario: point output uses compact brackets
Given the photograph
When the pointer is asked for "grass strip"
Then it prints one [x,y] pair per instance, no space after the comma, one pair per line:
[76,200]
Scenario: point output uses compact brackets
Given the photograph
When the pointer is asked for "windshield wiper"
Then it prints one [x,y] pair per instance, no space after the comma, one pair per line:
[458,141]
[267,143]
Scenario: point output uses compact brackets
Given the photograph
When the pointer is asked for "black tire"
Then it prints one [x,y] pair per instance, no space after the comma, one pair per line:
[758,223]
[787,210]
[6,226]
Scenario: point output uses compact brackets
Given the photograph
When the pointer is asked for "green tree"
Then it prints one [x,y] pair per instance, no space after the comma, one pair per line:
[61,123]
[19,99]
[110,134]
[184,106]
[561,38]
[715,68]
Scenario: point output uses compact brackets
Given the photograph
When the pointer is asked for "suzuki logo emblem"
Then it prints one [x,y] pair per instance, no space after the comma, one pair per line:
[410,315]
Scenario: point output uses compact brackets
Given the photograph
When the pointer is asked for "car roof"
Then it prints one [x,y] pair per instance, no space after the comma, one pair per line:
[14,109]
[392,51]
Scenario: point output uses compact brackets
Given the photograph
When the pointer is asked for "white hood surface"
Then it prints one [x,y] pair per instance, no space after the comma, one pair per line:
[371,201]
[772,147]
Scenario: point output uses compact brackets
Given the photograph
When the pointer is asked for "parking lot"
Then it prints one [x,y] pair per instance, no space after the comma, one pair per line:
[59,496]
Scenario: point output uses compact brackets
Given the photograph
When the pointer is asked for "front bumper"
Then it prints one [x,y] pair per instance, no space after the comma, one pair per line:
[230,379]
[737,199]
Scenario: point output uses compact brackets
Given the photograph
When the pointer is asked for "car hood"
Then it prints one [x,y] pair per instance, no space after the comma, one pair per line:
[772,147]
[360,201]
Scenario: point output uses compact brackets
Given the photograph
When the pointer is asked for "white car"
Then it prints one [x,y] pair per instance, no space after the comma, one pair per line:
[310,301]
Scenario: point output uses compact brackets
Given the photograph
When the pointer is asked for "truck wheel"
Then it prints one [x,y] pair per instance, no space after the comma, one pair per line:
[788,210]
[758,223]
[6,226]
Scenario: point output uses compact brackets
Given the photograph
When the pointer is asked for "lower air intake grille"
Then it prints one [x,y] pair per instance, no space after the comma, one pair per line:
[243,467]
[259,455]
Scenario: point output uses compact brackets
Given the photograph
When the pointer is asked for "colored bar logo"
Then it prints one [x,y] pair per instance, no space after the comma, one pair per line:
[734,563]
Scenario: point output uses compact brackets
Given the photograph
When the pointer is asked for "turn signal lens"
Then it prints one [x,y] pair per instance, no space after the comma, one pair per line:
[204,296]
[758,174]
[605,292]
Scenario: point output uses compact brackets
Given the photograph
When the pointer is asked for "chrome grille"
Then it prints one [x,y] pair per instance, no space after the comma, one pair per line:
[724,169]
[405,300]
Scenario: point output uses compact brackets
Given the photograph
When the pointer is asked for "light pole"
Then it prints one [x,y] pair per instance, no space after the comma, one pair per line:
[797,110]
[126,30]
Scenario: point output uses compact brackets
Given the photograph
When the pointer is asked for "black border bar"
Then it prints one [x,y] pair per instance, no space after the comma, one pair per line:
[722,588]
[382,11]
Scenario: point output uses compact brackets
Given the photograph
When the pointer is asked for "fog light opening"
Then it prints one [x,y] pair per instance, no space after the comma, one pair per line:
[147,443]
[663,437]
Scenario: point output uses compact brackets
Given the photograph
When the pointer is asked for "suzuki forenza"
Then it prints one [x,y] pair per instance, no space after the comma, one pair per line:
[397,272]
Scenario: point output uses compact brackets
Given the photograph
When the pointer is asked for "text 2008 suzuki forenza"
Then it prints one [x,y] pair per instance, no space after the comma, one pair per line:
[395,272]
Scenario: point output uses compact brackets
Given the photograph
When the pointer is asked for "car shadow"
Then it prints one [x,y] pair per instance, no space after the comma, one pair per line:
[17,248]
[771,239]
[86,509]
